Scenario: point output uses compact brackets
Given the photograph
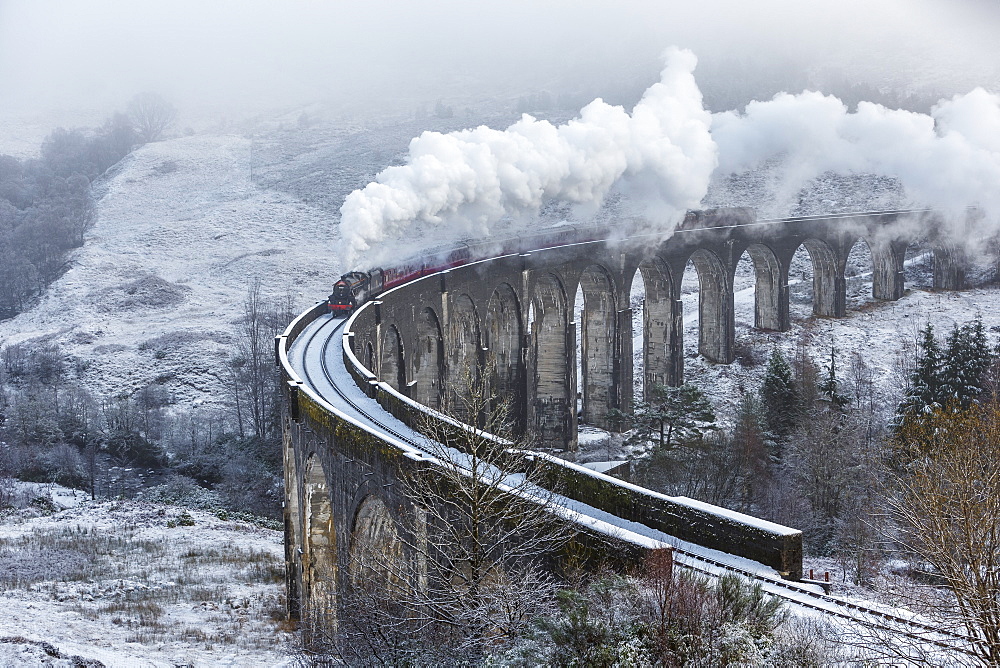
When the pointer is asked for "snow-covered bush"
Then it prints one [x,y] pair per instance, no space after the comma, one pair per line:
[667,619]
[183,491]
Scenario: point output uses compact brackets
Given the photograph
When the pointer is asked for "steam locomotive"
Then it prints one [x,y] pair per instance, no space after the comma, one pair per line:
[356,287]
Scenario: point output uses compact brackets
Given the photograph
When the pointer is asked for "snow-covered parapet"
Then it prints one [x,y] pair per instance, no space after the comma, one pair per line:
[771,544]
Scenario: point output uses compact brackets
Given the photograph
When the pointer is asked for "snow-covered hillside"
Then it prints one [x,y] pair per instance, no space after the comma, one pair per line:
[132,583]
[883,334]
[180,234]
[184,226]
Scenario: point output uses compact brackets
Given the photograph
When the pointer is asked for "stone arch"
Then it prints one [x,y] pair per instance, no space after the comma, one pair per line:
[716,333]
[770,309]
[391,366]
[950,261]
[552,411]
[859,270]
[464,352]
[598,336]
[661,363]
[376,554]
[370,356]
[828,291]
[319,558]
[502,341]
[428,360]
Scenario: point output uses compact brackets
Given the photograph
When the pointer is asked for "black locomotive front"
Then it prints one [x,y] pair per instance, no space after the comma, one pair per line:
[348,292]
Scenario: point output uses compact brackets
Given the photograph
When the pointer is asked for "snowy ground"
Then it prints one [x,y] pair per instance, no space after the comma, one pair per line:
[116,583]
[152,295]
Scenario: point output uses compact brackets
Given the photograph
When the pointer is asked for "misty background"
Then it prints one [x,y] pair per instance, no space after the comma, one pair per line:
[68,63]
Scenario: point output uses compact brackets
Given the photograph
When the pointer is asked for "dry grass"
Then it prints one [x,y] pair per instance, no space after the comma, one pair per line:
[178,589]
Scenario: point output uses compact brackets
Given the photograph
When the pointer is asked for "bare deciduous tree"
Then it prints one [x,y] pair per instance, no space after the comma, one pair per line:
[477,545]
[254,381]
[944,495]
[152,115]
[826,465]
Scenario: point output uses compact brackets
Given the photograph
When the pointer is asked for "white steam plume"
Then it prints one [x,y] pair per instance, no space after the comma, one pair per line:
[667,150]
[949,159]
[471,179]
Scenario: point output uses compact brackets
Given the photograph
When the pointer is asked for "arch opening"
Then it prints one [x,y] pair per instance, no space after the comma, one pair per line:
[428,359]
[689,293]
[637,302]
[578,308]
[918,265]
[859,274]
[745,292]
[391,367]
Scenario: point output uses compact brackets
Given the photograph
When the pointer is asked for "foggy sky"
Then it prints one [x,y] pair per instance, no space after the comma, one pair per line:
[86,55]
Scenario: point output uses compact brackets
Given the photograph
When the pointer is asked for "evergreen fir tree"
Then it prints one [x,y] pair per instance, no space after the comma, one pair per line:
[781,400]
[965,363]
[926,385]
[675,416]
[830,385]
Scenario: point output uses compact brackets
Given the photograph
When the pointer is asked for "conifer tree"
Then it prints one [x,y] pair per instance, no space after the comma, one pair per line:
[781,400]
[675,416]
[966,360]
[830,385]
[925,391]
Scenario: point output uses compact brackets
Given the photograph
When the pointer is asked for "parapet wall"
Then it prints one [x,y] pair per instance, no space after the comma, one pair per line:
[687,519]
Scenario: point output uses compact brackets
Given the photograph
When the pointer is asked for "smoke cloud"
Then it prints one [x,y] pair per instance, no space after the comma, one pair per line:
[948,159]
[665,153]
[469,180]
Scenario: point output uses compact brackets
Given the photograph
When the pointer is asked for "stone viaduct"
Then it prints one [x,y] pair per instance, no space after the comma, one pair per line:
[410,348]
[518,309]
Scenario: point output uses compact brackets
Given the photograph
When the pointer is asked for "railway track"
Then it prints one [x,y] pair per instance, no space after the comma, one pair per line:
[792,592]
[332,382]
[858,613]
